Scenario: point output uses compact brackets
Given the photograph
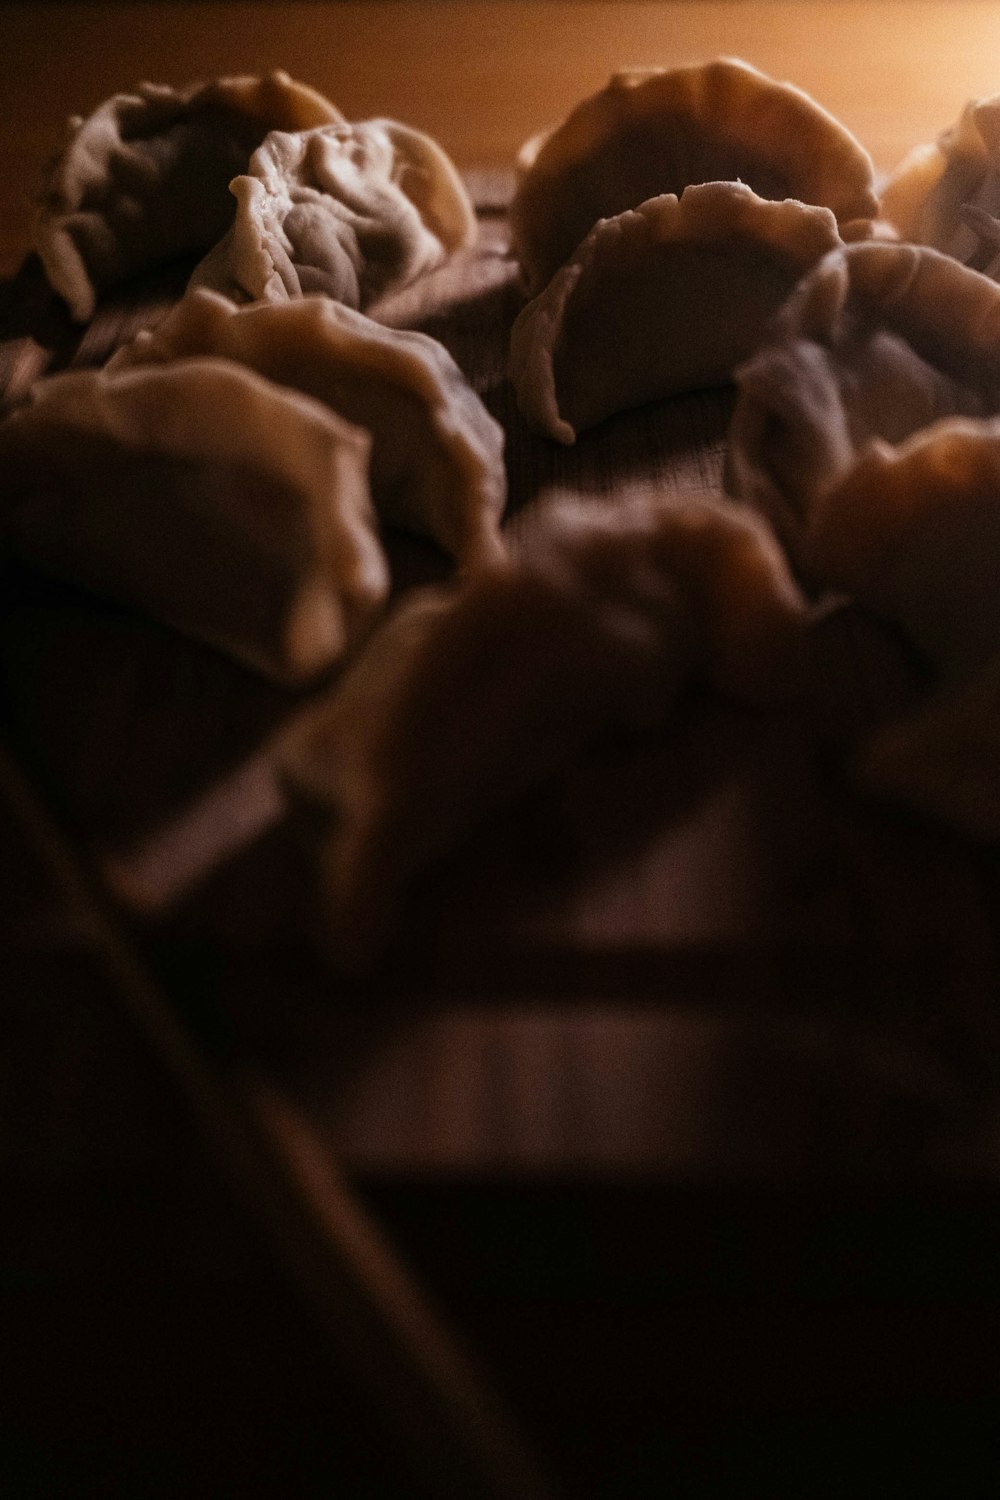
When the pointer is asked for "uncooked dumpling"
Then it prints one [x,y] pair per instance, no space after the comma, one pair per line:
[943,759]
[465,697]
[437,455]
[351,211]
[146,176]
[947,194]
[213,500]
[913,532]
[878,341]
[664,298]
[657,131]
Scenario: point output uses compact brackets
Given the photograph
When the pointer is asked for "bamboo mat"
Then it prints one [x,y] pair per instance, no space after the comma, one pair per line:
[692,953]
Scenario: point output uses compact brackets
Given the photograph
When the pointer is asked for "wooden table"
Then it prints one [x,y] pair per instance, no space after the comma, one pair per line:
[694,1032]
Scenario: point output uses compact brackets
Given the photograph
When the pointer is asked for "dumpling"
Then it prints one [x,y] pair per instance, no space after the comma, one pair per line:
[211,499]
[947,194]
[465,697]
[912,531]
[437,455]
[351,211]
[657,131]
[146,176]
[664,298]
[878,341]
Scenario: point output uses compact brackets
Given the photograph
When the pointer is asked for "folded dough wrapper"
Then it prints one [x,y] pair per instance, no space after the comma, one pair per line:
[437,455]
[947,193]
[353,211]
[145,178]
[665,298]
[211,499]
[912,531]
[654,131]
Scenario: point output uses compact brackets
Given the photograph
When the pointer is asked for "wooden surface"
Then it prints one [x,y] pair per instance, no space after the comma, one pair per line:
[483,75]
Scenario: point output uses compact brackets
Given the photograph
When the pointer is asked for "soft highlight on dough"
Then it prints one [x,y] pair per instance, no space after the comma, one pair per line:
[352,211]
[654,131]
[877,342]
[209,498]
[947,193]
[665,298]
[437,455]
[145,177]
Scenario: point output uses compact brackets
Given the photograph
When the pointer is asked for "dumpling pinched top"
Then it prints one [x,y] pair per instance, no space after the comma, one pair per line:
[351,211]
[878,341]
[665,298]
[657,131]
[145,177]
[947,193]
[218,503]
[437,455]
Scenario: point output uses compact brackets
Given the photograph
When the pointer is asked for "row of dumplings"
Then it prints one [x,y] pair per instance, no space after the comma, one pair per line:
[230,473]
[682,228]
[686,228]
[262,177]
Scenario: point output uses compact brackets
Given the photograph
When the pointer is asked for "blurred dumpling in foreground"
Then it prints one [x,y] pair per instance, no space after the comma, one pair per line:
[913,533]
[947,193]
[146,177]
[466,697]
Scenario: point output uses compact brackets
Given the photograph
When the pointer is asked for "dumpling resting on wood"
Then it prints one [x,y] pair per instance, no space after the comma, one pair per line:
[913,533]
[351,211]
[205,496]
[437,455]
[947,193]
[878,341]
[654,131]
[146,177]
[665,298]
[467,696]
